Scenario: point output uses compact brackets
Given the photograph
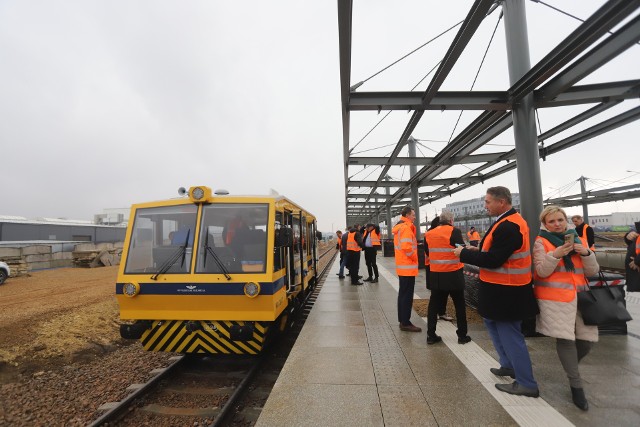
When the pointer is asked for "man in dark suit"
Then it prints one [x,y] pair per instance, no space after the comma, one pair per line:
[505,292]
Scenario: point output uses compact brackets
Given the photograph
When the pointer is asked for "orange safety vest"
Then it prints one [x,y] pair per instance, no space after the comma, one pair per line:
[375,237]
[340,243]
[441,254]
[473,236]
[516,271]
[638,245]
[234,225]
[406,248]
[584,237]
[352,245]
[562,284]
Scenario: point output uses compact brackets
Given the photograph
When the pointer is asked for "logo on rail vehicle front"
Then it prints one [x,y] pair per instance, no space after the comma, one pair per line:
[191,289]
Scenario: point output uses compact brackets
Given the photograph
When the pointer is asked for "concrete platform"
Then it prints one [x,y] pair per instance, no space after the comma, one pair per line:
[352,366]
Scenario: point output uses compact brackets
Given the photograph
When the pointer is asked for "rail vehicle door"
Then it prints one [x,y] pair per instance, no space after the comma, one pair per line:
[304,242]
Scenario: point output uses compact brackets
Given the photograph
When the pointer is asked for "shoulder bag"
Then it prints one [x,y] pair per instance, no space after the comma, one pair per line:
[603,304]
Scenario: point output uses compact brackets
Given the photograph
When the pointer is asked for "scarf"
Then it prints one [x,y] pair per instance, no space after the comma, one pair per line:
[557,239]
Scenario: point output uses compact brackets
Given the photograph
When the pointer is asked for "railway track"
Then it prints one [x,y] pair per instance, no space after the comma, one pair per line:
[196,390]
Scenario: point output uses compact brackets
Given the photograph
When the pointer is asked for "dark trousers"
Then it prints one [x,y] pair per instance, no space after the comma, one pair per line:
[370,259]
[512,349]
[474,242]
[405,298]
[438,301]
[354,265]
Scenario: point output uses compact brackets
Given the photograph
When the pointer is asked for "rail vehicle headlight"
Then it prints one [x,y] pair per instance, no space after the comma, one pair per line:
[199,194]
[131,289]
[252,289]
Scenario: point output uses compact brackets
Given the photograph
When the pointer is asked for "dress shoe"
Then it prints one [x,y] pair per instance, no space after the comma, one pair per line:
[579,399]
[464,340]
[503,372]
[368,279]
[518,390]
[445,317]
[433,339]
[358,283]
[375,280]
[410,328]
[340,277]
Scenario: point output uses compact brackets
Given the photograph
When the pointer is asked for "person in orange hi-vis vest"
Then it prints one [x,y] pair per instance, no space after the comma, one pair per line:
[632,264]
[445,277]
[561,267]
[505,291]
[406,257]
[584,230]
[474,236]
[354,247]
[371,242]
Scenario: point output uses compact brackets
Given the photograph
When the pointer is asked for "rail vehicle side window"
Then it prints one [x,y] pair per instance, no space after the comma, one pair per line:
[162,236]
[279,259]
[296,236]
[233,238]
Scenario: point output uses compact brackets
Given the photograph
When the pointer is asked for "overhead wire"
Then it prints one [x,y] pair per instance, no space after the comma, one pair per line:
[477,72]
[410,53]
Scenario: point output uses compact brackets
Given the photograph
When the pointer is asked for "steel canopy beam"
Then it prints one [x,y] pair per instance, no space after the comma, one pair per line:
[597,25]
[614,45]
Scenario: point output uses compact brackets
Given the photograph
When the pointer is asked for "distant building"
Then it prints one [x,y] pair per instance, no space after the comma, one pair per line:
[471,213]
[113,216]
[617,221]
[21,229]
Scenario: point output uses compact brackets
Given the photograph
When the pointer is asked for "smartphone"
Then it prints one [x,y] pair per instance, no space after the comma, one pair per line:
[568,238]
[458,245]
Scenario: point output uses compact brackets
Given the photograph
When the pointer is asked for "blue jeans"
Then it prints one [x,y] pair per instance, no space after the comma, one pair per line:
[343,263]
[512,349]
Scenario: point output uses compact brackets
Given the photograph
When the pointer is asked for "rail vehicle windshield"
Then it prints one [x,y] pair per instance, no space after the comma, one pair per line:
[233,239]
[162,240]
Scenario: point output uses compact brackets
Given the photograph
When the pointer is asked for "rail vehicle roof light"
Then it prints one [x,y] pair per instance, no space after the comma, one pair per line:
[221,192]
[252,289]
[199,194]
[131,289]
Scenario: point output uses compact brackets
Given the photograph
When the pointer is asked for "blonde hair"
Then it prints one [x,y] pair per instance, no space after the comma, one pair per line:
[551,209]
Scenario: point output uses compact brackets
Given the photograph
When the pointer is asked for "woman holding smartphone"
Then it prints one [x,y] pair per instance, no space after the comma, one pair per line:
[562,262]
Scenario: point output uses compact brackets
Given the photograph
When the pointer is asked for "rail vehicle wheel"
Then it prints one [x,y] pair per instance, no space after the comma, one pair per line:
[3,276]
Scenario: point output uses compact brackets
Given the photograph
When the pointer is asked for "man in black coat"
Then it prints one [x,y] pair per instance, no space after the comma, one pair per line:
[445,276]
[505,292]
[632,263]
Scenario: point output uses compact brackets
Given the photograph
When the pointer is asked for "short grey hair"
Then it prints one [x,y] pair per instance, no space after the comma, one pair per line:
[446,217]
[501,193]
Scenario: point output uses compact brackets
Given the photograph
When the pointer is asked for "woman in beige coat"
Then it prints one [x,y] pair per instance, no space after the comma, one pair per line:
[561,264]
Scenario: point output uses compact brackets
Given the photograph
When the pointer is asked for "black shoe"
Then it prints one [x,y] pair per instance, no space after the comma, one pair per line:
[358,283]
[368,279]
[374,280]
[579,399]
[340,277]
[518,390]
[464,340]
[348,274]
[503,372]
[359,277]
[434,339]
[410,328]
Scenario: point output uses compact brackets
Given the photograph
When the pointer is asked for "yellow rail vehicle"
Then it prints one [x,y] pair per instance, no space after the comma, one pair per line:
[214,273]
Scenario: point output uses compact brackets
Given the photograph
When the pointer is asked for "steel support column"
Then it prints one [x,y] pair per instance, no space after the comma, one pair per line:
[585,206]
[524,126]
[415,196]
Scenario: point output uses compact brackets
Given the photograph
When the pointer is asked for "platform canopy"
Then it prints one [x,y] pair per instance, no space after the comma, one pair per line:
[380,174]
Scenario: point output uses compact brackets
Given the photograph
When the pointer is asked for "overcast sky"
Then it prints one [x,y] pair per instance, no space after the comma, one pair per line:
[109,103]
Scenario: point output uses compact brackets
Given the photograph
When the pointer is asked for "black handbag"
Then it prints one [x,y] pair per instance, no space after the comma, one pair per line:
[603,304]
